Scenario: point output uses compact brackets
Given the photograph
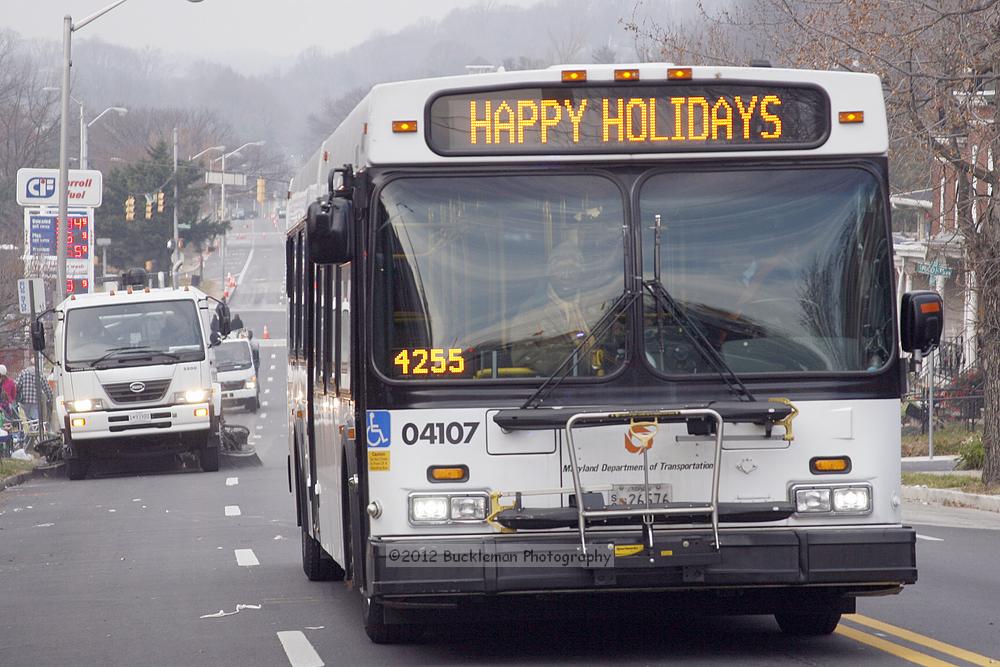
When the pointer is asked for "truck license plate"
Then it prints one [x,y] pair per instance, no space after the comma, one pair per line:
[138,417]
[635,494]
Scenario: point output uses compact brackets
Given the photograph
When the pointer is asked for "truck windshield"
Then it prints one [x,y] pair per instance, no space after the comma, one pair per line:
[133,334]
[233,356]
[497,276]
[782,270]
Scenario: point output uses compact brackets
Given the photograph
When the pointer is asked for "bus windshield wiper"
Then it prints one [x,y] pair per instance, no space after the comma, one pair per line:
[620,305]
[669,304]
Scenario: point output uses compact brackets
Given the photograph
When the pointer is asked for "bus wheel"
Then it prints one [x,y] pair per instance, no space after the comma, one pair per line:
[811,624]
[316,564]
[76,468]
[380,632]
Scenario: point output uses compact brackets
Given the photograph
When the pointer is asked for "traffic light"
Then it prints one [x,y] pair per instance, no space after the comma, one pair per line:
[130,208]
[261,195]
[160,197]
[149,209]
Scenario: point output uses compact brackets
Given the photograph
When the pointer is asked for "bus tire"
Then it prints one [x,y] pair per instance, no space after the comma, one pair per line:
[76,468]
[808,624]
[316,564]
[380,632]
[209,456]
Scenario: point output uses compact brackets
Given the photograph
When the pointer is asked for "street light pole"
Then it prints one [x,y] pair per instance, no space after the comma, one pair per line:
[63,221]
[175,257]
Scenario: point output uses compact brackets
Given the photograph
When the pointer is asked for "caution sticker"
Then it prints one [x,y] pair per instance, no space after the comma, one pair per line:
[622,550]
[378,461]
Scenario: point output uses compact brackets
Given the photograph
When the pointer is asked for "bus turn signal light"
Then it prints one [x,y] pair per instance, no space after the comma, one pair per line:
[403,126]
[830,465]
[626,75]
[570,75]
[851,116]
[458,473]
[679,73]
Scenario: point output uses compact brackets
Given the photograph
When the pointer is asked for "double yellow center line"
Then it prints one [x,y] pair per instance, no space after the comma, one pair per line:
[905,652]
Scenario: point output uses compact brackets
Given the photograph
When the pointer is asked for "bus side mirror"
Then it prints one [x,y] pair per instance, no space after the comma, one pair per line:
[328,231]
[225,323]
[921,316]
[37,336]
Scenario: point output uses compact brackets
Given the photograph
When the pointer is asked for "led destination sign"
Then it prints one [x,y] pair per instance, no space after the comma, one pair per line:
[632,119]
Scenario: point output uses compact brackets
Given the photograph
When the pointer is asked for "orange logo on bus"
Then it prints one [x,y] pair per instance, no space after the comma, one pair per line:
[639,437]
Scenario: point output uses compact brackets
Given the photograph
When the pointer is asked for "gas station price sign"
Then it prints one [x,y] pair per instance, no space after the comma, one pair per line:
[40,241]
[653,118]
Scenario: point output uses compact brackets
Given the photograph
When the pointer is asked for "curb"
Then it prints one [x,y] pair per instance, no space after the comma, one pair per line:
[952,498]
[23,477]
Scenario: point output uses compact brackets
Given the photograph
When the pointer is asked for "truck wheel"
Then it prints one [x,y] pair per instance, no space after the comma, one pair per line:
[316,564]
[253,405]
[77,468]
[380,632]
[812,624]
[209,457]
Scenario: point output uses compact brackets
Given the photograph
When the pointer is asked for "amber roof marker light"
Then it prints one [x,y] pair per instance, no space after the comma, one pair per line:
[574,75]
[679,74]
[626,75]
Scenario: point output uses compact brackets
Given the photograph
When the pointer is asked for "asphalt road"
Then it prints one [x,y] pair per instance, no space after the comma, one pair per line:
[133,566]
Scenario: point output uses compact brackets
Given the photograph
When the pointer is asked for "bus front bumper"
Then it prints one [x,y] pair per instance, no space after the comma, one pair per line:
[850,560]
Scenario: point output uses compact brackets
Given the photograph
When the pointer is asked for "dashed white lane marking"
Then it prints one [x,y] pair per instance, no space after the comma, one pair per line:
[299,651]
[270,378]
[273,366]
[263,415]
[246,557]
[233,510]
[232,481]
[273,355]
[264,403]
[260,427]
[267,391]
[929,538]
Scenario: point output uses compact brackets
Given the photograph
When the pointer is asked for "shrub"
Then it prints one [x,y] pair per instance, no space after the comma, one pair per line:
[971,453]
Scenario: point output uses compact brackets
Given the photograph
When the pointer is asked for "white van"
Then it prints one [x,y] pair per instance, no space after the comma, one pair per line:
[237,368]
[134,374]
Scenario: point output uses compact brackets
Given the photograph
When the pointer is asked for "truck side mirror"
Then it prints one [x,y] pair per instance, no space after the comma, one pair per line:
[921,316]
[328,231]
[225,323]
[37,336]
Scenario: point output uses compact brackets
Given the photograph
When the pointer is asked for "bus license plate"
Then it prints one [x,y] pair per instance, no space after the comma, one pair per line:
[635,494]
[138,417]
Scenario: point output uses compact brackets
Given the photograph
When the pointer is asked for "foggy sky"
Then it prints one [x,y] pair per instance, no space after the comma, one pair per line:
[230,30]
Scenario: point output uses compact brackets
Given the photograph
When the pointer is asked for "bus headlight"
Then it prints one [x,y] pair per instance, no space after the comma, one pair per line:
[852,499]
[833,499]
[446,508]
[812,500]
[428,508]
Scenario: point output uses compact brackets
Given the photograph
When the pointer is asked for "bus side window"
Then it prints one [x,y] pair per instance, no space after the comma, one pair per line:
[290,277]
[300,310]
[344,330]
[318,337]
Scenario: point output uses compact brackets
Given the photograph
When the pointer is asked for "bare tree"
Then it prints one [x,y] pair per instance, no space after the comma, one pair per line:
[939,61]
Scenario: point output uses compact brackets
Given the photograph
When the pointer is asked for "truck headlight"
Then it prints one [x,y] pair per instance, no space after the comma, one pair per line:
[852,499]
[812,500]
[196,395]
[85,405]
[445,508]
[251,383]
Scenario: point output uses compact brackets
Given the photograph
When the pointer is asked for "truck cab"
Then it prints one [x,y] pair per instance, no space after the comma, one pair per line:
[135,374]
[236,362]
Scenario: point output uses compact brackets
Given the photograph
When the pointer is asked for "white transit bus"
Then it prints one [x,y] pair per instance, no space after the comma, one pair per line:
[602,330]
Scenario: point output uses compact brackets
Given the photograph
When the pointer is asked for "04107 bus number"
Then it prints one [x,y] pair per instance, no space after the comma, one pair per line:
[434,361]
[440,433]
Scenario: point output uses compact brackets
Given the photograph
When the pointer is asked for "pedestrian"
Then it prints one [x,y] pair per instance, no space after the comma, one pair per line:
[8,393]
[28,383]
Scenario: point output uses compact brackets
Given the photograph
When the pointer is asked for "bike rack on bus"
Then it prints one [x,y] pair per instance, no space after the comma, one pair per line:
[647,512]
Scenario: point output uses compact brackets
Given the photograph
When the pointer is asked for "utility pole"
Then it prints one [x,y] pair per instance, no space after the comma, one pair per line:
[63,222]
[176,255]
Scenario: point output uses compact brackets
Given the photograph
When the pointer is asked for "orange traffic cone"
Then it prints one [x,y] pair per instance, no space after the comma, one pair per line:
[266,335]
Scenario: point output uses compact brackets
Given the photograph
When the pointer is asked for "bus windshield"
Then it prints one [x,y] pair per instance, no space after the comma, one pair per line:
[782,270]
[129,334]
[498,276]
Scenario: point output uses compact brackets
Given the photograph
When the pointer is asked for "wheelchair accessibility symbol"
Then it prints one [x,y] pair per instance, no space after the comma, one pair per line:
[379,429]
